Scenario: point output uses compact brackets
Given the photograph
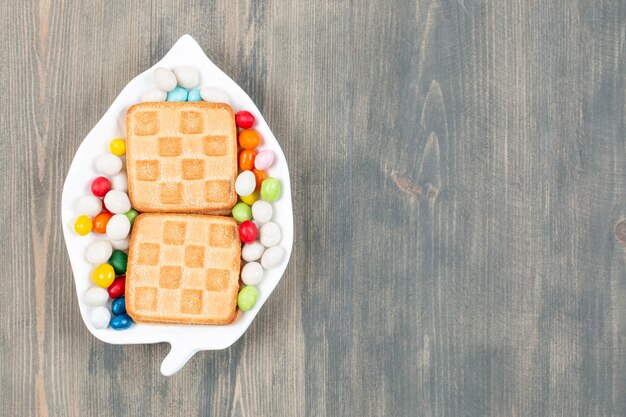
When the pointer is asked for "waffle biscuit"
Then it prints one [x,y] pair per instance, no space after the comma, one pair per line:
[183,268]
[181,157]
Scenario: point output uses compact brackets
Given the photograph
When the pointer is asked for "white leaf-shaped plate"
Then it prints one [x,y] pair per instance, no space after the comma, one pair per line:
[184,340]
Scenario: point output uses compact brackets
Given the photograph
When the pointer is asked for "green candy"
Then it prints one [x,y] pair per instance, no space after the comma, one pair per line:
[242,212]
[270,189]
[247,297]
[118,261]
[131,214]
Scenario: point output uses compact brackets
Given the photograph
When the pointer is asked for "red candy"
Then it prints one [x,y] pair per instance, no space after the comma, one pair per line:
[116,289]
[248,232]
[100,186]
[244,119]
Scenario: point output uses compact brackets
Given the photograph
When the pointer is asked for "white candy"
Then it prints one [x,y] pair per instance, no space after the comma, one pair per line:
[252,273]
[99,252]
[117,202]
[187,77]
[100,317]
[154,94]
[165,80]
[89,205]
[214,95]
[120,181]
[245,183]
[96,296]
[252,251]
[262,211]
[109,164]
[118,227]
[272,257]
[122,244]
[270,234]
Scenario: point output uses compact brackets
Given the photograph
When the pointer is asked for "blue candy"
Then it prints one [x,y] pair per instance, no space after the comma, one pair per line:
[177,94]
[118,306]
[121,322]
[194,95]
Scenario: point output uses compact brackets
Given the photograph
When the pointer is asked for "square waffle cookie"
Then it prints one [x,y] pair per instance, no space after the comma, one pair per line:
[183,268]
[181,157]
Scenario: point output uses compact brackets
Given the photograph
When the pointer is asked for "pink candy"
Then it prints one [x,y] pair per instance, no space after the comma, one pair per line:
[264,160]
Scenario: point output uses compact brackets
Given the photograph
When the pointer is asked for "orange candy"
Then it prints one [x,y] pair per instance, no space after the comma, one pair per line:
[100,222]
[249,139]
[258,175]
[246,159]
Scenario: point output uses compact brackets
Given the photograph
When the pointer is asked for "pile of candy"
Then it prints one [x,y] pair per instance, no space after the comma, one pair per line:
[254,212]
[108,212]
[181,85]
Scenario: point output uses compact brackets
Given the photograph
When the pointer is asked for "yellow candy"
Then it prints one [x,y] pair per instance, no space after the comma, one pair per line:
[83,225]
[250,199]
[118,147]
[103,275]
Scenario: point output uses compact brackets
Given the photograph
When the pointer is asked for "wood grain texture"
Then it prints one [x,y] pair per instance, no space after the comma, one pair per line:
[458,168]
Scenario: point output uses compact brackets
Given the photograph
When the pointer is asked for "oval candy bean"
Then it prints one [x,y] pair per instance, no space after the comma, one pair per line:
[89,205]
[250,199]
[247,297]
[252,251]
[164,79]
[214,95]
[118,306]
[194,95]
[245,183]
[118,227]
[270,234]
[118,261]
[83,225]
[100,222]
[108,164]
[122,244]
[187,76]
[118,147]
[100,317]
[270,189]
[259,176]
[117,287]
[121,322]
[248,232]
[272,257]
[249,139]
[252,273]
[99,252]
[132,215]
[242,212]
[264,159]
[119,182]
[100,186]
[246,159]
[96,296]
[103,275]
[117,202]
[178,94]
[244,119]
[155,94]
[262,211]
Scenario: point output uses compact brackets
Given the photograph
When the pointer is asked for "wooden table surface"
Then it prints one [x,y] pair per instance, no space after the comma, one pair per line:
[458,170]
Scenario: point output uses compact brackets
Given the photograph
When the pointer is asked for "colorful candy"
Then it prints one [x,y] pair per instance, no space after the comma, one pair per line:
[121,244]
[117,287]
[194,95]
[252,273]
[118,261]
[262,211]
[118,227]
[248,232]
[252,251]
[103,275]
[187,76]
[270,234]
[118,147]
[99,252]
[164,79]
[249,139]
[242,212]
[119,182]
[83,225]
[177,94]
[264,159]
[96,296]
[121,322]
[245,183]
[246,159]
[100,222]
[247,297]
[250,199]
[108,164]
[272,257]
[244,119]
[214,95]
[270,189]
[100,317]
[155,94]
[259,176]
[132,215]
[118,306]
[100,186]
[117,202]
[89,205]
